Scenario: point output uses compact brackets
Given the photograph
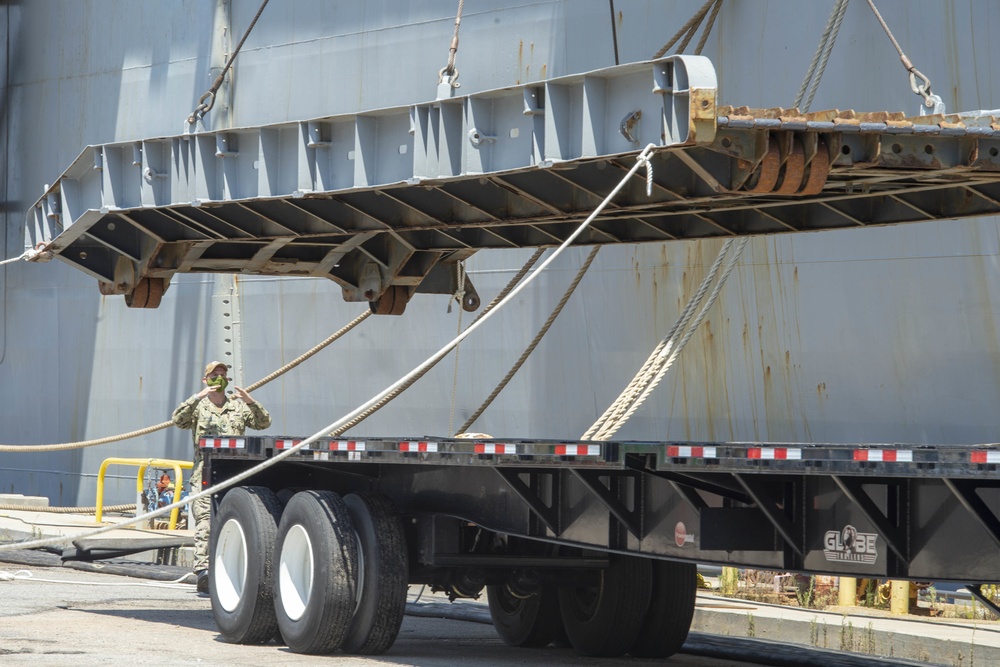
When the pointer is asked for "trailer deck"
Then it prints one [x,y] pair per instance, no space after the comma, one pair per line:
[920,513]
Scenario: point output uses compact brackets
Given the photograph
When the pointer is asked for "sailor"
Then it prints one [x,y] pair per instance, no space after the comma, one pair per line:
[211,412]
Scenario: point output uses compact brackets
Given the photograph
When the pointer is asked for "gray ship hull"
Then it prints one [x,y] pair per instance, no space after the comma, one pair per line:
[869,335]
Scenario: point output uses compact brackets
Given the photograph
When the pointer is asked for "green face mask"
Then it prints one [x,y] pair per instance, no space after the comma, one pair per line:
[219,381]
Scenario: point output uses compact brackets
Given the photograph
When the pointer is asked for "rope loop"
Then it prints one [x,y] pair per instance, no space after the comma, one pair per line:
[644,159]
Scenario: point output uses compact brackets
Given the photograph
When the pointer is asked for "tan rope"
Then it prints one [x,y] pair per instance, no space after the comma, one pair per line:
[167,424]
[399,390]
[534,343]
[70,510]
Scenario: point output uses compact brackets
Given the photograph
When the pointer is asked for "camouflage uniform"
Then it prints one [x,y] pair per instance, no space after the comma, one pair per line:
[205,419]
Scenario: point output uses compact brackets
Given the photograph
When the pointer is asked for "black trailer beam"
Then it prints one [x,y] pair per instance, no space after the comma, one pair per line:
[965,491]
[853,488]
[769,507]
[545,513]
[631,519]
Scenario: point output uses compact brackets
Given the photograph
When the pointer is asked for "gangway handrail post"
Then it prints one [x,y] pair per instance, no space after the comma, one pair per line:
[143,464]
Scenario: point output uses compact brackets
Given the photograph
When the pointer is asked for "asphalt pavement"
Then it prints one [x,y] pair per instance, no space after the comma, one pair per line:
[778,630]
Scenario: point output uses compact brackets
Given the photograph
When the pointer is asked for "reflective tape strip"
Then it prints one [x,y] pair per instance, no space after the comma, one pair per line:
[418,447]
[885,455]
[774,453]
[287,444]
[495,448]
[578,450]
[991,456]
[223,443]
[690,452]
[347,446]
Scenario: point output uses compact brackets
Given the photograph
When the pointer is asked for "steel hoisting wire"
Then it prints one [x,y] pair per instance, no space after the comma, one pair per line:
[650,366]
[167,424]
[614,31]
[922,89]
[449,69]
[821,57]
[392,395]
[667,361]
[708,28]
[339,424]
[688,30]
[531,347]
[207,101]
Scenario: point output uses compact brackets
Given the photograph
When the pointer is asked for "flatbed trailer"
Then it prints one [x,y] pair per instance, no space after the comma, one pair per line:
[591,542]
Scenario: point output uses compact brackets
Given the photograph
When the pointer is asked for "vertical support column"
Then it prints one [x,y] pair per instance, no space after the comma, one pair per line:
[899,601]
[227,345]
[848,592]
[221,115]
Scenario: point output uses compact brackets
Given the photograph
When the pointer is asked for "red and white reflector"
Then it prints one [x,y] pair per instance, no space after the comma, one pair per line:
[495,448]
[411,446]
[286,444]
[578,450]
[223,443]
[775,453]
[884,455]
[347,446]
[985,456]
[690,452]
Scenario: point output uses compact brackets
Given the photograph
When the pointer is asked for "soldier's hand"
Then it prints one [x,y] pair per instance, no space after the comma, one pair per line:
[208,390]
[242,393]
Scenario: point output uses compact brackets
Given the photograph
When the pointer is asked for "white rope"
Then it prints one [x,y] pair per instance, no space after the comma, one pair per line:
[27,254]
[611,429]
[433,359]
[26,575]
[648,370]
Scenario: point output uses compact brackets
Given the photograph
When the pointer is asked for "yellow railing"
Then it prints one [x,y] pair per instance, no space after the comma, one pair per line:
[143,464]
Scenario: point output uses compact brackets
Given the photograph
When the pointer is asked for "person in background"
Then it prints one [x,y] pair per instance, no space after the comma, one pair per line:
[212,412]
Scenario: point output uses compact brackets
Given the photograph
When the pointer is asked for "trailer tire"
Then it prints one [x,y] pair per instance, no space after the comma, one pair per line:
[242,557]
[604,619]
[671,608]
[531,622]
[384,574]
[316,574]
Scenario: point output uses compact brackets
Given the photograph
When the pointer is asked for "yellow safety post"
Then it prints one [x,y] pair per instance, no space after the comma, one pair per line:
[899,601]
[848,595]
[142,465]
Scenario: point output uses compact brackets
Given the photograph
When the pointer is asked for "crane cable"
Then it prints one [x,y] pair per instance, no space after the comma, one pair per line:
[821,56]
[207,101]
[690,28]
[159,427]
[923,89]
[642,158]
[449,70]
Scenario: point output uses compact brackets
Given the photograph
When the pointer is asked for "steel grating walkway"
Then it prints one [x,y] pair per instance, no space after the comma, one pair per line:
[385,202]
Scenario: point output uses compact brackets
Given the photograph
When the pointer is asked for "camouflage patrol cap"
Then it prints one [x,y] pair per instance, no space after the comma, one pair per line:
[212,366]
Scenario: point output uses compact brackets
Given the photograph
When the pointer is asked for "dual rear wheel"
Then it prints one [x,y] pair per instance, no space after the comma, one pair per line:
[327,573]
[636,606]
